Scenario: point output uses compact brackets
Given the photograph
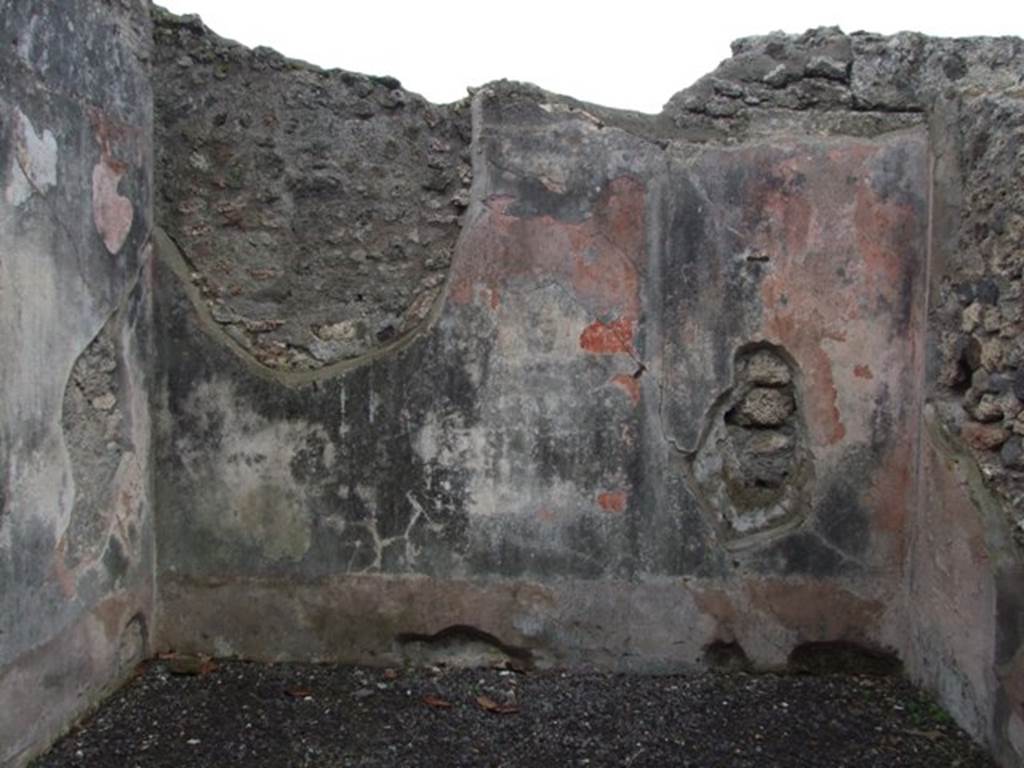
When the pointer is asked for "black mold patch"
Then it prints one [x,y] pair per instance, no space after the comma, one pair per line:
[1009,613]
[308,462]
[674,538]
[702,238]
[882,422]
[842,520]
[115,560]
[891,176]
[362,427]
[534,199]
[4,481]
[348,546]
[8,162]
[802,554]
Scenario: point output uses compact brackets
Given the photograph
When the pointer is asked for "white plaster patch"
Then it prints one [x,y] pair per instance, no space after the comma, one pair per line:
[223,648]
[529,624]
[40,485]
[111,211]
[199,161]
[258,500]
[444,439]
[34,162]
[544,324]
[343,330]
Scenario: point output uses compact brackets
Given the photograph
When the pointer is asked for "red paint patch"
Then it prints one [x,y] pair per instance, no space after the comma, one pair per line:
[488,296]
[863,372]
[784,232]
[612,501]
[608,338]
[598,260]
[810,301]
[628,384]
[888,498]
[112,211]
[878,225]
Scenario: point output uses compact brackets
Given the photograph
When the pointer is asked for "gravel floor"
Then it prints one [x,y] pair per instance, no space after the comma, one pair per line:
[255,715]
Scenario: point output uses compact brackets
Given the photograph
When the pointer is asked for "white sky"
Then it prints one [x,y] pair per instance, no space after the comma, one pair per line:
[632,54]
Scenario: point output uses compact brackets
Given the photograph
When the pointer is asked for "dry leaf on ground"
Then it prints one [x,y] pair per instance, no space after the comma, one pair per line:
[490,705]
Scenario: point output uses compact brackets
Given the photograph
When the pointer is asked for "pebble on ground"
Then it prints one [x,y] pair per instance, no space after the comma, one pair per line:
[232,713]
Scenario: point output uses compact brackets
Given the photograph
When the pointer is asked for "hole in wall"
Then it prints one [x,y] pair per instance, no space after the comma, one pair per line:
[753,464]
[844,657]
[461,645]
[726,655]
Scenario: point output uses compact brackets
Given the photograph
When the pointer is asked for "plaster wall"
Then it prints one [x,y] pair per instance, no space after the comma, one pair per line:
[579,452]
[516,378]
[76,546]
[544,461]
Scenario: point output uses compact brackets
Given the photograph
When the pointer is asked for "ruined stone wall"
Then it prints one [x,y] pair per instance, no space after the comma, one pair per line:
[516,377]
[317,211]
[663,403]
[967,565]
[965,617]
[76,548]
[650,386]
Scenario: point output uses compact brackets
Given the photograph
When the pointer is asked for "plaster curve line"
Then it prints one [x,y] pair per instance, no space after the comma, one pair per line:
[168,252]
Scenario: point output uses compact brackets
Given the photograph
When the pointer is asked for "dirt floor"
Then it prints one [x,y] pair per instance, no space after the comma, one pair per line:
[224,714]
